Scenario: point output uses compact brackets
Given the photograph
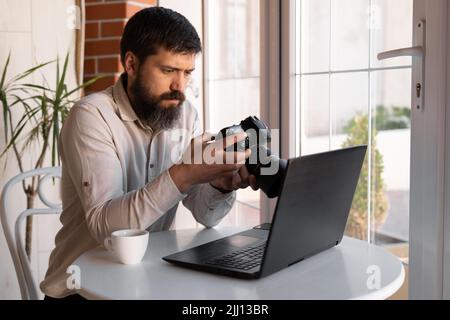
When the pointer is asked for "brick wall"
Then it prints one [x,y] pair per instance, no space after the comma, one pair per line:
[105,20]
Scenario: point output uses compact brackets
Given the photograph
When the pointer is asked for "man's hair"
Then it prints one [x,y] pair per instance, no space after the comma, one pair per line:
[153,28]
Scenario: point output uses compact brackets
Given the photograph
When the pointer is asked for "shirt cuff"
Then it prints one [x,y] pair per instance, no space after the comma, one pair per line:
[214,194]
[169,194]
[221,190]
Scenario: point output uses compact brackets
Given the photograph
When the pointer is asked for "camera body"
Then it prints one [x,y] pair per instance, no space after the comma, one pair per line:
[268,169]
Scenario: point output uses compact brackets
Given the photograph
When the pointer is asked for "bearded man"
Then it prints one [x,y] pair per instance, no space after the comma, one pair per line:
[121,148]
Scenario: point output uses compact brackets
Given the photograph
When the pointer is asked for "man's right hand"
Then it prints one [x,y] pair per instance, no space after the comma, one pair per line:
[205,161]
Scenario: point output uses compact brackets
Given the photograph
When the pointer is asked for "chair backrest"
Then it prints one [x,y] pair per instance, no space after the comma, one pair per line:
[28,288]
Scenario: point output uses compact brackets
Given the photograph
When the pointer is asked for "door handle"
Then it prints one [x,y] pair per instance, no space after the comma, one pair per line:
[404,52]
[417,52]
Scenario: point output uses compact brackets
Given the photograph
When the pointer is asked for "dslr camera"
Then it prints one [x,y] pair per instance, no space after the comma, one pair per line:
[268,169]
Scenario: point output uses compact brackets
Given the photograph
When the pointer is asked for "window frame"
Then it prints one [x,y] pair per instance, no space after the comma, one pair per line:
[429,256]
[278,80]
[446,218]
[208,114]
[429,251]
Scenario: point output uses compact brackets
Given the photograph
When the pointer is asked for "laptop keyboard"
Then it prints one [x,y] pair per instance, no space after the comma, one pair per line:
[244,259]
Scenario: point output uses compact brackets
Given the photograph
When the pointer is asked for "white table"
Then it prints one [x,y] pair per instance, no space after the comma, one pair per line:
[347,271]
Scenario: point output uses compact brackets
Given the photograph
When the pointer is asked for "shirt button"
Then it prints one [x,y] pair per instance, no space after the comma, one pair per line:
[151,166]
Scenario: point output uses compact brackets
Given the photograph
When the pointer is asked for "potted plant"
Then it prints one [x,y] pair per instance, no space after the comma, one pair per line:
[43,109]
[358,133]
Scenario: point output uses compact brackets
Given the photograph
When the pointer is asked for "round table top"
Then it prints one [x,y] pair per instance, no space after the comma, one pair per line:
[354,269]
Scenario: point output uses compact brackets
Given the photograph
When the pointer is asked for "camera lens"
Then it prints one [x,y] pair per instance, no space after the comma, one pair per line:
[268,169]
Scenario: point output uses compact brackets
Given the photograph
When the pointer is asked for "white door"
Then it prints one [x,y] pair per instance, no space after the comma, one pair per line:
[428,252]
[345,95]
[429,272]
[427,279]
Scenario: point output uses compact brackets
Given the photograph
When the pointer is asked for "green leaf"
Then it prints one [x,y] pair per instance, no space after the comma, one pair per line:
[55,137]
[5,114]
[27,107]
[30,71]
[45,108]
[61,81]
[34,86]
[84,85]
[3,98]
[57,71]
[13,139]
[33,135]
[27,116]
[5,69]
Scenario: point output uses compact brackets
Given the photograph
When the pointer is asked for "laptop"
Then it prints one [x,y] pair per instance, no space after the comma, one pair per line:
[310,216]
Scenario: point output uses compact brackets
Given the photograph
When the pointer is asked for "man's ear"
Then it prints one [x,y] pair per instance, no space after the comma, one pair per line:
[131,64]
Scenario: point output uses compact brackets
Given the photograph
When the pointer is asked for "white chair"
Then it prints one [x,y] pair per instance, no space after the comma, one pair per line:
[28,288]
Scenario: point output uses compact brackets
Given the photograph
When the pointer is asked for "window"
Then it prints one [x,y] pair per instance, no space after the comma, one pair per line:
[346,97]
[232,80]
[226,86]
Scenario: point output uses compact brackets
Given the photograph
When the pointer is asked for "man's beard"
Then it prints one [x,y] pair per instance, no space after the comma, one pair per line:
[149,110]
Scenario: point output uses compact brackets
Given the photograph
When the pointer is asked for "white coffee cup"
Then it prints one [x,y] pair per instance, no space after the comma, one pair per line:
[128,245]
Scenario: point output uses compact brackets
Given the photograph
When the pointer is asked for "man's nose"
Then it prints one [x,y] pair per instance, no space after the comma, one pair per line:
[179,82]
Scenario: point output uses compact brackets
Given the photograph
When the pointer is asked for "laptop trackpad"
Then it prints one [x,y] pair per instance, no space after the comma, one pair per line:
[241,241]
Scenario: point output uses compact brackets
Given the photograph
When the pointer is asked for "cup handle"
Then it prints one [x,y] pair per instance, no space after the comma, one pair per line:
[108,244]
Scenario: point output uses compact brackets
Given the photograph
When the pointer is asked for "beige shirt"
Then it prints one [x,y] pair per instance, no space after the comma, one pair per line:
[115,176]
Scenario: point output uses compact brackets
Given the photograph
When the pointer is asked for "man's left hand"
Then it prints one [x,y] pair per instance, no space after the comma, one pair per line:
[240,180]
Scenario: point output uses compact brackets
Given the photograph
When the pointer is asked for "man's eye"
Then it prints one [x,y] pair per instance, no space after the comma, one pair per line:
[167,70]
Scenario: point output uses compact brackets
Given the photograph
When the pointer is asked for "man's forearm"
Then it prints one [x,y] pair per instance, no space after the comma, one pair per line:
[180,176]
[140,208]
[222,190]
[208,205]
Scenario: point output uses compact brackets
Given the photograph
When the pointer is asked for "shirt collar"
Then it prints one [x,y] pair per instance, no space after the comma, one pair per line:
[120,96]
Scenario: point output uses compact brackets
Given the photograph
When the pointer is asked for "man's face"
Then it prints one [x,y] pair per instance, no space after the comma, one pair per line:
[157,86]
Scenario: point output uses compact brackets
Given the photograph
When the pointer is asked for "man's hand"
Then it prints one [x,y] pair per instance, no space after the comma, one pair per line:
[205,161]
[240,180]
